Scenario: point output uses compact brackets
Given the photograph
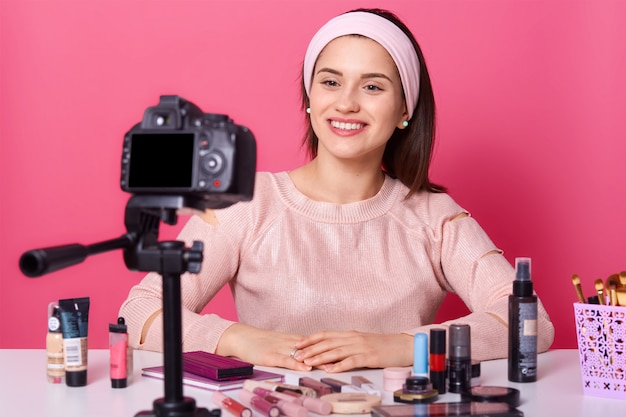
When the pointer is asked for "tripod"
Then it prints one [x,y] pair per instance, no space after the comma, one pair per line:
[143,252]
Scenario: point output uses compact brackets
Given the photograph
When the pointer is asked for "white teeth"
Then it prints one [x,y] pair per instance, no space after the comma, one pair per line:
[345,126]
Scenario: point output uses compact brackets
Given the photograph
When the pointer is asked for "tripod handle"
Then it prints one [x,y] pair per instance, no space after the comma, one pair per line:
[38,262]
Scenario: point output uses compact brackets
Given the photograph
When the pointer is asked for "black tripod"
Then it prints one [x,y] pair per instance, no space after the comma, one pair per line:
[143,252]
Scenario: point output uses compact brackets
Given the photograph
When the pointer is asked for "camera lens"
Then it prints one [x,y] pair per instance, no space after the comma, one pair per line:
[213,163]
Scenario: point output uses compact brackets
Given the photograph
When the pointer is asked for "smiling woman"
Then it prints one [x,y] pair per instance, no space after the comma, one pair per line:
[363,242]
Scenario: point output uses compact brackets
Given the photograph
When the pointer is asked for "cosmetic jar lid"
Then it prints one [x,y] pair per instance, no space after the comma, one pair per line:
[492,394]
[119,383]
[76,378]
[394,377]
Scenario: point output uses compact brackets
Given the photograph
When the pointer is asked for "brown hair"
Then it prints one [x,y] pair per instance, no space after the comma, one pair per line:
[408,152]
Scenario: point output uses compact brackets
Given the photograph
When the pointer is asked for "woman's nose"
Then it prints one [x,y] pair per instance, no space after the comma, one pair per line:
[347,101]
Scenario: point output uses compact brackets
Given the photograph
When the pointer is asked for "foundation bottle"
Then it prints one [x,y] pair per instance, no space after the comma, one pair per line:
[54,346]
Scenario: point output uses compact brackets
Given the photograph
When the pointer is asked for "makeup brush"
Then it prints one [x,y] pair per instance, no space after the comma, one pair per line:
[620,293]
[600,290]
[622,279]
[578,288]
[612,287]
[612,279]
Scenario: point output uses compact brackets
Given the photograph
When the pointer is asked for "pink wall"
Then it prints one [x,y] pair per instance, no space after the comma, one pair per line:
[532,132]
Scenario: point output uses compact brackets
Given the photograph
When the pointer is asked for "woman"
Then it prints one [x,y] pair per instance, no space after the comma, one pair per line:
[337,263]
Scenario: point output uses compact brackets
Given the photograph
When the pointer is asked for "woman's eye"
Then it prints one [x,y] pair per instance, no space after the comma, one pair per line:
[373,88]
[330,83]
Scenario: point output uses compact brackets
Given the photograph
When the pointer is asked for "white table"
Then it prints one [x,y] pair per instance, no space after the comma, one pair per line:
[24,390]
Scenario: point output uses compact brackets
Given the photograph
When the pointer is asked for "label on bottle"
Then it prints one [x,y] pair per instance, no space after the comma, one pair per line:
[528,338]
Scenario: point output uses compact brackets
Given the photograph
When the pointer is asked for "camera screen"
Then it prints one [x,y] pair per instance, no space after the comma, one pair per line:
[161,160]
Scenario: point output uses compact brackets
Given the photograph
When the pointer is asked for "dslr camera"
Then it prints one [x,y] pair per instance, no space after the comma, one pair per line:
[177,150]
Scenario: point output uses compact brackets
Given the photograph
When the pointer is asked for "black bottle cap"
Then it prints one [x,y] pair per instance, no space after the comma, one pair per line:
[120,327]
[437,341]
[76,378]
[119,383]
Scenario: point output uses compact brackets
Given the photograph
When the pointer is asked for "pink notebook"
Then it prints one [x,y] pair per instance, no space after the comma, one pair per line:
[198,381]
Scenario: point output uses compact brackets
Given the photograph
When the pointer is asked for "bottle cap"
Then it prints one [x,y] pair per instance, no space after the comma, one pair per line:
[120,327]
[54,320]
[460,342]
[76,378]
[437,341]
[119,383]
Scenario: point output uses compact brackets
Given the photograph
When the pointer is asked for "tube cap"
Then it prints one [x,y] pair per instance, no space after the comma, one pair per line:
[119,383]
[76,378]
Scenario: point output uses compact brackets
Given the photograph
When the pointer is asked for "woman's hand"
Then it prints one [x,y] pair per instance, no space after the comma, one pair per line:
[342,351]
[261,347]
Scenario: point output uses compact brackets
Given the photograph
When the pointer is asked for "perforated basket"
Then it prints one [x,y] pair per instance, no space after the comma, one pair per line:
[601,332]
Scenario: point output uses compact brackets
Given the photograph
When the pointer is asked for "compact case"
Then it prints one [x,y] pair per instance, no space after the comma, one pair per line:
[217,367]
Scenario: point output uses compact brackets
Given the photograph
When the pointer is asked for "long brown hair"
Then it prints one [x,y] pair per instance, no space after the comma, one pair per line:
[408,152]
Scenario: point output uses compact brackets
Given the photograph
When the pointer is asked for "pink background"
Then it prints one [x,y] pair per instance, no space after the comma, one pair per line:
[531,139]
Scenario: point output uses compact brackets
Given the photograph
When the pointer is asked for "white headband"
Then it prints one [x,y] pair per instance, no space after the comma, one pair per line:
[379,29]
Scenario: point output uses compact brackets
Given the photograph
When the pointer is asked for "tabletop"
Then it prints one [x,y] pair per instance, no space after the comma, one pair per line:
[24,390]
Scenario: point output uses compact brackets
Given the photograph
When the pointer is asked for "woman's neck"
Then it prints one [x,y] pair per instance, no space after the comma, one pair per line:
[337,183]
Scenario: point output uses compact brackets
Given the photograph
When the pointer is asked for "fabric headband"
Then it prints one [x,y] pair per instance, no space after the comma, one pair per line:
[379,29]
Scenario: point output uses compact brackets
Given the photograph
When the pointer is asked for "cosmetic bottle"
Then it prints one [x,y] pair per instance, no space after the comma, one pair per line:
[121,365]
[54,346]
[522,360]
[459,358]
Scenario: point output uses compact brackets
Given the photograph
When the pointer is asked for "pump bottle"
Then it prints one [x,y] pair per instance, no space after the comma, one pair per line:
[522,359]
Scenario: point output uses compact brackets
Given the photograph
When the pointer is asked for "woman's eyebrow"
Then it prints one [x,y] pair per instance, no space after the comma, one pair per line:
[364,76]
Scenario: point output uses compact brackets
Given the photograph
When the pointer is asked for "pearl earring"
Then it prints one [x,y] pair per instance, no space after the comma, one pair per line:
[308,110]
[405,123]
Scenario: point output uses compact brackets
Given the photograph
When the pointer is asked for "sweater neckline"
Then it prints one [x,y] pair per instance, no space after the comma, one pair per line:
[356,212]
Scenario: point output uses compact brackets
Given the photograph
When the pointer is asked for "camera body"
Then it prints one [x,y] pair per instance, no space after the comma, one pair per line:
[177,150]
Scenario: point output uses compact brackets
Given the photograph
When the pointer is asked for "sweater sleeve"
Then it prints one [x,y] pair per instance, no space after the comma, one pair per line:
[143,307]
[476,270]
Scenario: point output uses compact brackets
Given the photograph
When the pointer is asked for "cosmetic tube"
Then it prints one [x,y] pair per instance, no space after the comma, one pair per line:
[232,406]
[420,354]
[459,358]
[74,325]
[120,366]
[261,405]
[437,359]
[310,403]
[54,346]
[522,359]
[287,407]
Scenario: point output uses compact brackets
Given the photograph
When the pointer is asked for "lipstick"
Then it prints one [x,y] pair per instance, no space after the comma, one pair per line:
[285,403]
[438,359]
[319,387]
[231,405]
[260,404]
[310,403]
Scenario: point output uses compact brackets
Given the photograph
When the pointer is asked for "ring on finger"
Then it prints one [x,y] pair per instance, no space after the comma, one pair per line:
[292,354]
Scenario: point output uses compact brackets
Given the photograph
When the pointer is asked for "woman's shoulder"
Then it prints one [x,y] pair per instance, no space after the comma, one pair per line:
[429,207]
[266,198]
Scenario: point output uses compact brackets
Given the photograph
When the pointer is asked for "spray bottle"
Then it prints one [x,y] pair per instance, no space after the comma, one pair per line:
[522,325]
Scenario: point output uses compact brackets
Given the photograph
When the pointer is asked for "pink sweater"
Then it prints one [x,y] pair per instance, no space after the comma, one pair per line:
[381,265]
